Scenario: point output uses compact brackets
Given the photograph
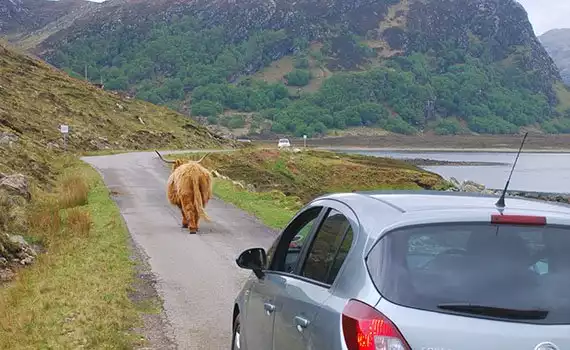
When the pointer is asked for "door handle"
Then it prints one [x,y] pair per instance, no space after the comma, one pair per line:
[301,322]
[269,308]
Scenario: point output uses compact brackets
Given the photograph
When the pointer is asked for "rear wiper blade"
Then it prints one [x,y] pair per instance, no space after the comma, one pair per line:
[514,314]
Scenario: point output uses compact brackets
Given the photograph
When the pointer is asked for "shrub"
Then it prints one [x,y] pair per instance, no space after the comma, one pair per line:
[73,192]
[79,221]
[449,126]
[206,108]
[298,77]
[236,121]
[301,62]
[397,125]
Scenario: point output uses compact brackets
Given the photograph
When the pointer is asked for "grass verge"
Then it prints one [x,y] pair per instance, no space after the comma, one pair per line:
[76,295]
[274,209]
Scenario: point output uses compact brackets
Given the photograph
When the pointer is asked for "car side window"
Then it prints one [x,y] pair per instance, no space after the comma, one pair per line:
[329,248]
[288,250]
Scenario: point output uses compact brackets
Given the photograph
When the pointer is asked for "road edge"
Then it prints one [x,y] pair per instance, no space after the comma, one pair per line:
[156,328]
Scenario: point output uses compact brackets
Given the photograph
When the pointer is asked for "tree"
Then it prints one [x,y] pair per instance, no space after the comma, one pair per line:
[206,108]
[298,77]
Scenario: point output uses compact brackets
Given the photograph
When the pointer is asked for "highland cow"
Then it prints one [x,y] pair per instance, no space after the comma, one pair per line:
[189,187]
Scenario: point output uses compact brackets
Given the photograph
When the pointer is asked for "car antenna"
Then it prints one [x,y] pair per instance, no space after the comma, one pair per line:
[501,202]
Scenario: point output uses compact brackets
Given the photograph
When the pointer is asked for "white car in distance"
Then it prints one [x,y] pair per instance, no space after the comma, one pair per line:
[283,143]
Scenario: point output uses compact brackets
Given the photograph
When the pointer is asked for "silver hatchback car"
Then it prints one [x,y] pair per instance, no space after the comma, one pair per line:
[410,270]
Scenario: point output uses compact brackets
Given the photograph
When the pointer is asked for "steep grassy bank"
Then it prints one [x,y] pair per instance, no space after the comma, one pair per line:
[75,295]
[273,184]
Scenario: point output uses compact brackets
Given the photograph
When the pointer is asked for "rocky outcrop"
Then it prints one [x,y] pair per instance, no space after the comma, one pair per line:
[16,185]
[8,139]
[11,13]
[557,44]
[501,25]
[24,16]
[14,250]
[473,187]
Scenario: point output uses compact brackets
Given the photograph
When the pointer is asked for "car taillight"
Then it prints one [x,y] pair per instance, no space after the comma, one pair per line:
[518,219]
[365,328]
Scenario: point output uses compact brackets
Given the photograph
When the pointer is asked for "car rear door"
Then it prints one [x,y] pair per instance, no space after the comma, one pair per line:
[304,292]
[474,286]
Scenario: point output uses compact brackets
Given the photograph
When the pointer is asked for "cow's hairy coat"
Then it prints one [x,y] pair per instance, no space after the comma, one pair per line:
[189,187]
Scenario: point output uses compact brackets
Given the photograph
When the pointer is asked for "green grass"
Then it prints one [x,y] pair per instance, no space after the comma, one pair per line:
[77,294]
[274,209]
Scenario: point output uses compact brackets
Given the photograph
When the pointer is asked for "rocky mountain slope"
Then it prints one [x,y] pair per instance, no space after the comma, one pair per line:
[28,22]
[307,67]
[19,16]
[557,44]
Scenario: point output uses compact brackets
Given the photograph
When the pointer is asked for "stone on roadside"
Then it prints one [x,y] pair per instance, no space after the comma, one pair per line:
[16,184]
[8,139]
[6,274]
[472,184]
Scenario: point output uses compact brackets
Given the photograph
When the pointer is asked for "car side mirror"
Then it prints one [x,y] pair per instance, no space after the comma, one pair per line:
[253,259]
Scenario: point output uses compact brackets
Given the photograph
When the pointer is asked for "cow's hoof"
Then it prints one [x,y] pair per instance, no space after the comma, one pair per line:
[193,232]
[184,225]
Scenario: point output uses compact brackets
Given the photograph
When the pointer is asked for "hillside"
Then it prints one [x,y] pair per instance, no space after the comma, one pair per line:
[305,67]
[35,99]
[557,44]
[19,18]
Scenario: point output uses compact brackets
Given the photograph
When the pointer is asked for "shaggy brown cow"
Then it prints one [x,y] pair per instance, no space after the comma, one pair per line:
[189,187]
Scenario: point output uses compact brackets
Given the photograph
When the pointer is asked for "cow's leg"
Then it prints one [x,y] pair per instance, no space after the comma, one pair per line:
[193,222]
[191,215]
[184,219]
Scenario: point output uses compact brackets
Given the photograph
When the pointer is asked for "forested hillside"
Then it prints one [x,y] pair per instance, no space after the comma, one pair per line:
[309,67]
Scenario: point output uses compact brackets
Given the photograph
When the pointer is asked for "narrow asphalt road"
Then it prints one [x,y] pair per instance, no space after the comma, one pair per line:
[196,274]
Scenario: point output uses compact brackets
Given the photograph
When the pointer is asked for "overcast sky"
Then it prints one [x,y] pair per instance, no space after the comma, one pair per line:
[543,14]
[547,14]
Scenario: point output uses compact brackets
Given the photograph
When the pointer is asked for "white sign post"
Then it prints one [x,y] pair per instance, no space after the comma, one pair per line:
[64,129]
[305,141]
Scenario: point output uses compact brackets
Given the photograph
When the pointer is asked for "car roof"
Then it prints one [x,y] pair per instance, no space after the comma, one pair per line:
[378,209]
[421,200]
[439,200]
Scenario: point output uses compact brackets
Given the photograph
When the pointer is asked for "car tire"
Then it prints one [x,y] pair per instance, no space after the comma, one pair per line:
[236,336]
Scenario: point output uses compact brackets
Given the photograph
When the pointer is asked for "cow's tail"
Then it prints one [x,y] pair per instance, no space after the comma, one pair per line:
[197,194]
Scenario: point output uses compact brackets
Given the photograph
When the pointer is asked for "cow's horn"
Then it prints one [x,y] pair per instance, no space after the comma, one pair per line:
[201,159]
[164,160]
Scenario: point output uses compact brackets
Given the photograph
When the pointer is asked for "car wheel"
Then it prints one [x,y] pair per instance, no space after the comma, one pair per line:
[236,338]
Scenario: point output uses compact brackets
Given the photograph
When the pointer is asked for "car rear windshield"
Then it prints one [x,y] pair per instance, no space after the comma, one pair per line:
[516,273]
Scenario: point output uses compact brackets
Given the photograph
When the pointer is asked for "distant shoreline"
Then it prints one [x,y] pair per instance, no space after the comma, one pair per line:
[435,143]
[439,150]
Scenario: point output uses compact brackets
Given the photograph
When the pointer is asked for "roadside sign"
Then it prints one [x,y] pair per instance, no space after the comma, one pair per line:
[64,131]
